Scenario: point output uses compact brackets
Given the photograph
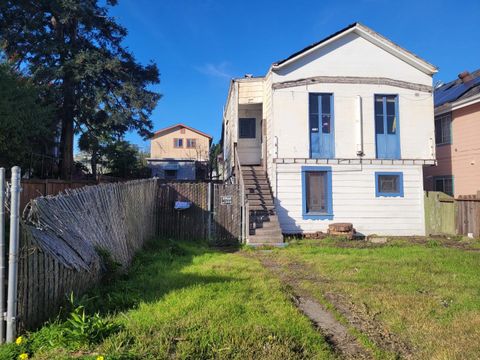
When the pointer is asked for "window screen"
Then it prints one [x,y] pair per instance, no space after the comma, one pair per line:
[389,184]
[316,192]
[444,184]
[247,128]
[443,129]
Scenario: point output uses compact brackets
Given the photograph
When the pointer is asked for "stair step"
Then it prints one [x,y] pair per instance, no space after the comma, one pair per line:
[256,202]
[253,191]
[267,225]
[258,187]
[259,196]
[256,239]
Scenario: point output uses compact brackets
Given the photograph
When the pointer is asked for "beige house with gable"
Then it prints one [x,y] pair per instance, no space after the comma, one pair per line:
[179,152]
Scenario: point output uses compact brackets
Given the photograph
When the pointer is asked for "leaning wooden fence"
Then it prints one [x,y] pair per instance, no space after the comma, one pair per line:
[62,235]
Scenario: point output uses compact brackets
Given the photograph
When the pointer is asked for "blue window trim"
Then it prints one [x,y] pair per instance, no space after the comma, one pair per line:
[316,216]
[400,184]
[332,123]
[397,112]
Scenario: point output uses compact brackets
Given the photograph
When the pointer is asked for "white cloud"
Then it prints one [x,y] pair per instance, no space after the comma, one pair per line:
[215,70]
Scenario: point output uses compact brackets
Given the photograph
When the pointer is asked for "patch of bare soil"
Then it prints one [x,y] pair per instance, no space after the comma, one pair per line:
[336,333]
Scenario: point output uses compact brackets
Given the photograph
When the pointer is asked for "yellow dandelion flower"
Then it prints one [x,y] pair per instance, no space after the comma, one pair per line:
[23,356]
[19,340]
[100,357]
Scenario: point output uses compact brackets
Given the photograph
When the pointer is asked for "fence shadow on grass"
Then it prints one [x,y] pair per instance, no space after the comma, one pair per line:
[155,272]
[62,237]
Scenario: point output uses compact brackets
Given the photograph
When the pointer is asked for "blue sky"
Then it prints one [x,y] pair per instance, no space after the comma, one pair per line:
[199,45]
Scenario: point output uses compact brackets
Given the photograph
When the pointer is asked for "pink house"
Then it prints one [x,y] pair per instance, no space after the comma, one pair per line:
[457,137]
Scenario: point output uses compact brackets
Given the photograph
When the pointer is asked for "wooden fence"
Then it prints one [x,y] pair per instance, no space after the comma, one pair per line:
[440,211]
[445,215]
[34,188]
[213,213]
[468,215]
[61,235]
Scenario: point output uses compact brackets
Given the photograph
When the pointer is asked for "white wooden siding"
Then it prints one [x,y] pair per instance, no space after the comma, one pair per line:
[292,121]
[354,200]
[250,91]
[352,55]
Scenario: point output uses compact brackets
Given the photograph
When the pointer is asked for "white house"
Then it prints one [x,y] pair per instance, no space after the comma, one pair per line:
[336,132]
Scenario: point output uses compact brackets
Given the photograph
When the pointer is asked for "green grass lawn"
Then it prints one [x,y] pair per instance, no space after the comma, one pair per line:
[426,294]
[185,301]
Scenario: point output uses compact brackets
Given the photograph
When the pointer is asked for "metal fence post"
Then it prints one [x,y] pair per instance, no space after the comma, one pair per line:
[2,255]
[13,254]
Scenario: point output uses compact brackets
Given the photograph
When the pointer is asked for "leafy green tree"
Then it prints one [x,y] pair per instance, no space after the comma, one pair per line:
[215,150]
[76,48]
[26,123]
[125,160]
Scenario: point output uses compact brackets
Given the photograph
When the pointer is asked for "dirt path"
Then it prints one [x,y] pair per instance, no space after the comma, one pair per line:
[336,333]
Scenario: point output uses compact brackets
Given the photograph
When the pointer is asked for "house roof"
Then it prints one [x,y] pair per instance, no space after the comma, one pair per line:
[164,130]
[370,35]
[458,89]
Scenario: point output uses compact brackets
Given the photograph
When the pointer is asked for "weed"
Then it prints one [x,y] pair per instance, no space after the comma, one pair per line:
[82,329]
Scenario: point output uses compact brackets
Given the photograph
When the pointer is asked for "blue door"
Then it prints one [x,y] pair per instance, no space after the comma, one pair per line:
[387,131]
[322,140]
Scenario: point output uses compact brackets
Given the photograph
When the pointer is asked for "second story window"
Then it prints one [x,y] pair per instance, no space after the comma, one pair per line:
[178,143]
[387,137]
[444,184]
[443,129]
[321,123]
[191,143]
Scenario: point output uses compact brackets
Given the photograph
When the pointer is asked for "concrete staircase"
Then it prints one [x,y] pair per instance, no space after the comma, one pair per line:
[264,226]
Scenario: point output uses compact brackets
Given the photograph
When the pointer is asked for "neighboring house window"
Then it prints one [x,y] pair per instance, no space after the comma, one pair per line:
[321,123]
[444,184]
[387,132]
[171,174]
[182,131]
[443,129]
[178,143]
[317,192]
[389,184]
[247,128]
[191,143]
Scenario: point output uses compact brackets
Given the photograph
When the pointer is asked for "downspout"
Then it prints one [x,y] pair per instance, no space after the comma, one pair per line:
[359,127]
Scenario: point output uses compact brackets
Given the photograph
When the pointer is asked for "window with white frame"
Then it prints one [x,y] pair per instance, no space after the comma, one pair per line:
[191,143]
[178,143]
[443,129]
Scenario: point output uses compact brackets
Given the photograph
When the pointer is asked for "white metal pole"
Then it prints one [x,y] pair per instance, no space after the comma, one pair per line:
[13,254]
[2,255]
[209,210]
